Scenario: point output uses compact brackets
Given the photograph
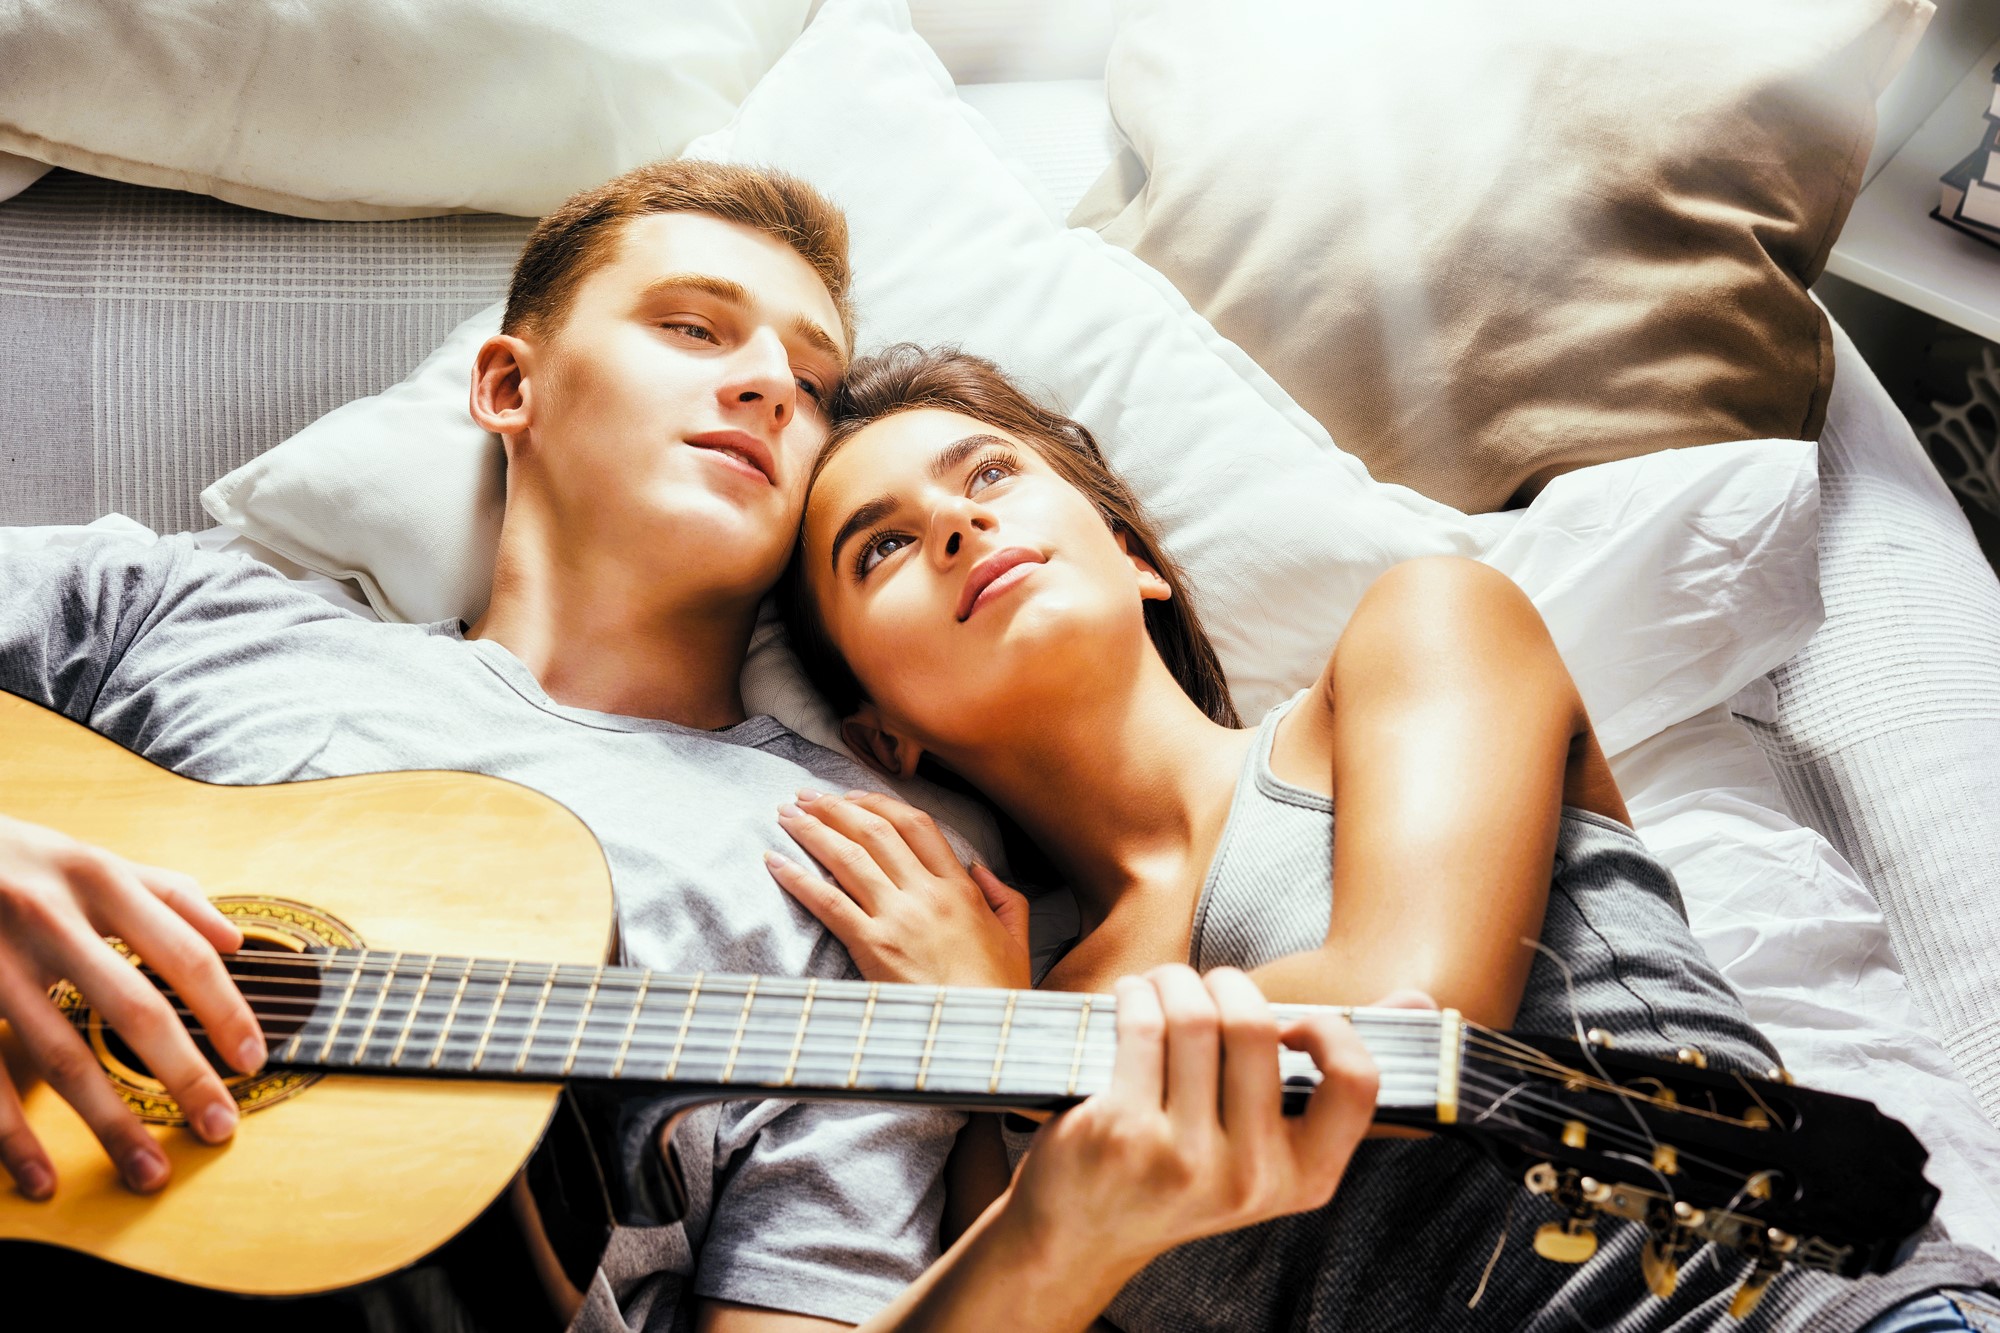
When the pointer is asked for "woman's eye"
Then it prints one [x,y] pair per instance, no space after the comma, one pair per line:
[989,473]
[880,549]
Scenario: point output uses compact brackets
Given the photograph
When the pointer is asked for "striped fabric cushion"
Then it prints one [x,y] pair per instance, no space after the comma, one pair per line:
[156,340]
[1886,736]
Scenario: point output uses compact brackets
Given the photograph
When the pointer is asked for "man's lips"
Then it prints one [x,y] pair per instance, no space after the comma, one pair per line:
[742,446]
[991,571]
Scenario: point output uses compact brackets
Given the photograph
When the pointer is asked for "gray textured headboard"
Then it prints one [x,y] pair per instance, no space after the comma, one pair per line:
[150,341]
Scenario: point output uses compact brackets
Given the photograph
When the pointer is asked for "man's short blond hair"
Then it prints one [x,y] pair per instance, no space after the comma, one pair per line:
[581,236]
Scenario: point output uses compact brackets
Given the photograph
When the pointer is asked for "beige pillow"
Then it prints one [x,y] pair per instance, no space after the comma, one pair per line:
[362,109]
[1485,242]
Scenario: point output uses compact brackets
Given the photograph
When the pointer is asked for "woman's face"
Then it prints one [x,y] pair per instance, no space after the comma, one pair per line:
[966,582]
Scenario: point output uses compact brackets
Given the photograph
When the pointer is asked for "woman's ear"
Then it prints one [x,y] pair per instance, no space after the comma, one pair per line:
[502,401]
[1153,586]
[883,750]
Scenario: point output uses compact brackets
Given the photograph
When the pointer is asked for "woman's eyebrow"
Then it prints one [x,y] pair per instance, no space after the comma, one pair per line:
[949,457]
[867,516]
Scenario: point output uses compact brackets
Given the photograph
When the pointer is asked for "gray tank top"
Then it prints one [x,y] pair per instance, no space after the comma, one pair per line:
[1403,1243]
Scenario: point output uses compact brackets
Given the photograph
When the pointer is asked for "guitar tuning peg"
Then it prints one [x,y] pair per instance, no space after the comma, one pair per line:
[1660,1264]
[1572,1241]
[1744,1302]
[1667,1242]
[1691,1055]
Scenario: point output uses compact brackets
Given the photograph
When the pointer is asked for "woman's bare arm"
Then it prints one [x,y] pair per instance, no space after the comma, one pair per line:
[1451,733]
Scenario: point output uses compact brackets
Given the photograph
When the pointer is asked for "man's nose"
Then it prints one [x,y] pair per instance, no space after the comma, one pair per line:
[761,380]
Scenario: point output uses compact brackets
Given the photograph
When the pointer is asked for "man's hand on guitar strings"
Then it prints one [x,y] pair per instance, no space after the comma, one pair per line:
[58,899]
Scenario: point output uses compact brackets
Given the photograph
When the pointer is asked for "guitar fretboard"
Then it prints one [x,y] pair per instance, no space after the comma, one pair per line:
[440,1015]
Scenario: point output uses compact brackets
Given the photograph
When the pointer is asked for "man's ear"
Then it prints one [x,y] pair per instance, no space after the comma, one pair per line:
[502,397]
[875,745]
[1153,587]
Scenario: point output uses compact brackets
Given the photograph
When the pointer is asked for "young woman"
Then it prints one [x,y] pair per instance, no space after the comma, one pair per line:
[977,593]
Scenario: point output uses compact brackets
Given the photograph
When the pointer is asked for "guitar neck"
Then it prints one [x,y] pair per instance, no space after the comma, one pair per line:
[445,1016]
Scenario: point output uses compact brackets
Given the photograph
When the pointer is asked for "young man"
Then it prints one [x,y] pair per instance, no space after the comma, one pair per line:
[670,343]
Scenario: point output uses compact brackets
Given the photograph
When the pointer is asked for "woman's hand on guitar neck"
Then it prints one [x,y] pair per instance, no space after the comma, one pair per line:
[58,899]
[1188,1139]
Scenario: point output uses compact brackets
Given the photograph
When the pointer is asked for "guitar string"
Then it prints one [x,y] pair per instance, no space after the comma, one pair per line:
[1059,1060]
[618,977]
[887,1045]
[1621,1135]
[913,996]
[774,1038]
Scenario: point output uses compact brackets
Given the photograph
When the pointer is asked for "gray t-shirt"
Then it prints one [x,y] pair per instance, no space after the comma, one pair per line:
[216,667]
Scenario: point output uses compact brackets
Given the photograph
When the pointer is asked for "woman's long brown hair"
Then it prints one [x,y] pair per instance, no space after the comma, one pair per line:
[907,377]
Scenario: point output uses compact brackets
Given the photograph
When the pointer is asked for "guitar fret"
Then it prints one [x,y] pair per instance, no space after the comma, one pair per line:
[799,1037]
[541,1003]
[589,999]
[632,1023]
[867,1017]
[930,1039]
[1076,1061]
[1006,1027]
[450,1015]
[333,1030]
[687,1017]
[375,1011]
[416,1004]
[736,1042]
[499,998]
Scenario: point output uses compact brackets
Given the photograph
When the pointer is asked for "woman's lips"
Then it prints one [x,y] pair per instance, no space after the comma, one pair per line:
[995,575]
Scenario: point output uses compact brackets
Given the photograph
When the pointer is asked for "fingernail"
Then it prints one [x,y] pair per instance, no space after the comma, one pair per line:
[858,794]
[34,1180]
[216,1122]
[790,812]
[146,1169]
[250,1054]
[777,862]
[808,794]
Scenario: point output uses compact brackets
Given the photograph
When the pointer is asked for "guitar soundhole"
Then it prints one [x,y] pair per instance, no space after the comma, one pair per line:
[281,992]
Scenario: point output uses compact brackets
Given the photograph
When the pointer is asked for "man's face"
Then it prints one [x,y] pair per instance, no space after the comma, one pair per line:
[678,408]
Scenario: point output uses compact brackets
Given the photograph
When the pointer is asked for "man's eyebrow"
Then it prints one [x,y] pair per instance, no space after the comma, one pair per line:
[721,288]
[865,517]
[942,464]
[820,341]
[804,329]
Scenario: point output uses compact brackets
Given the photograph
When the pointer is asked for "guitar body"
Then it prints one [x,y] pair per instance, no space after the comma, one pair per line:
[331,1179]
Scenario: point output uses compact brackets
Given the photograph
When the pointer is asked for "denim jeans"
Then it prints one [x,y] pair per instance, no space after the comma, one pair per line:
[1941,1312]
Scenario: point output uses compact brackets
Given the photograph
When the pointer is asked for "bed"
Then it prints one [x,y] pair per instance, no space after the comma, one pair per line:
[1831,824]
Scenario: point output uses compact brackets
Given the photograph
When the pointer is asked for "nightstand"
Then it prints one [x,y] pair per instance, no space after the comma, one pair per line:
[1917,297]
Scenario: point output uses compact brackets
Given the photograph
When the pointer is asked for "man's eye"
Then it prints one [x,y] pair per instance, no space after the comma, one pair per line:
[692,330]
[812,391]
[877,549]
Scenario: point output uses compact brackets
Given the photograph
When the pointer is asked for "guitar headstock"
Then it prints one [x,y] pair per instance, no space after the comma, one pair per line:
[1779,1173]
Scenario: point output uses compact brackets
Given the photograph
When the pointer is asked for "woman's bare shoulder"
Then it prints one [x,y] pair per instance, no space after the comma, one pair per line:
[1424,624]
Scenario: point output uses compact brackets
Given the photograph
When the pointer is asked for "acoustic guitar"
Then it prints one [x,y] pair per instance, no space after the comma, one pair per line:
[426,955]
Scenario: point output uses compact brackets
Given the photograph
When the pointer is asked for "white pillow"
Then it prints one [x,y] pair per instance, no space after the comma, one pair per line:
[377,108]
[1668,581]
